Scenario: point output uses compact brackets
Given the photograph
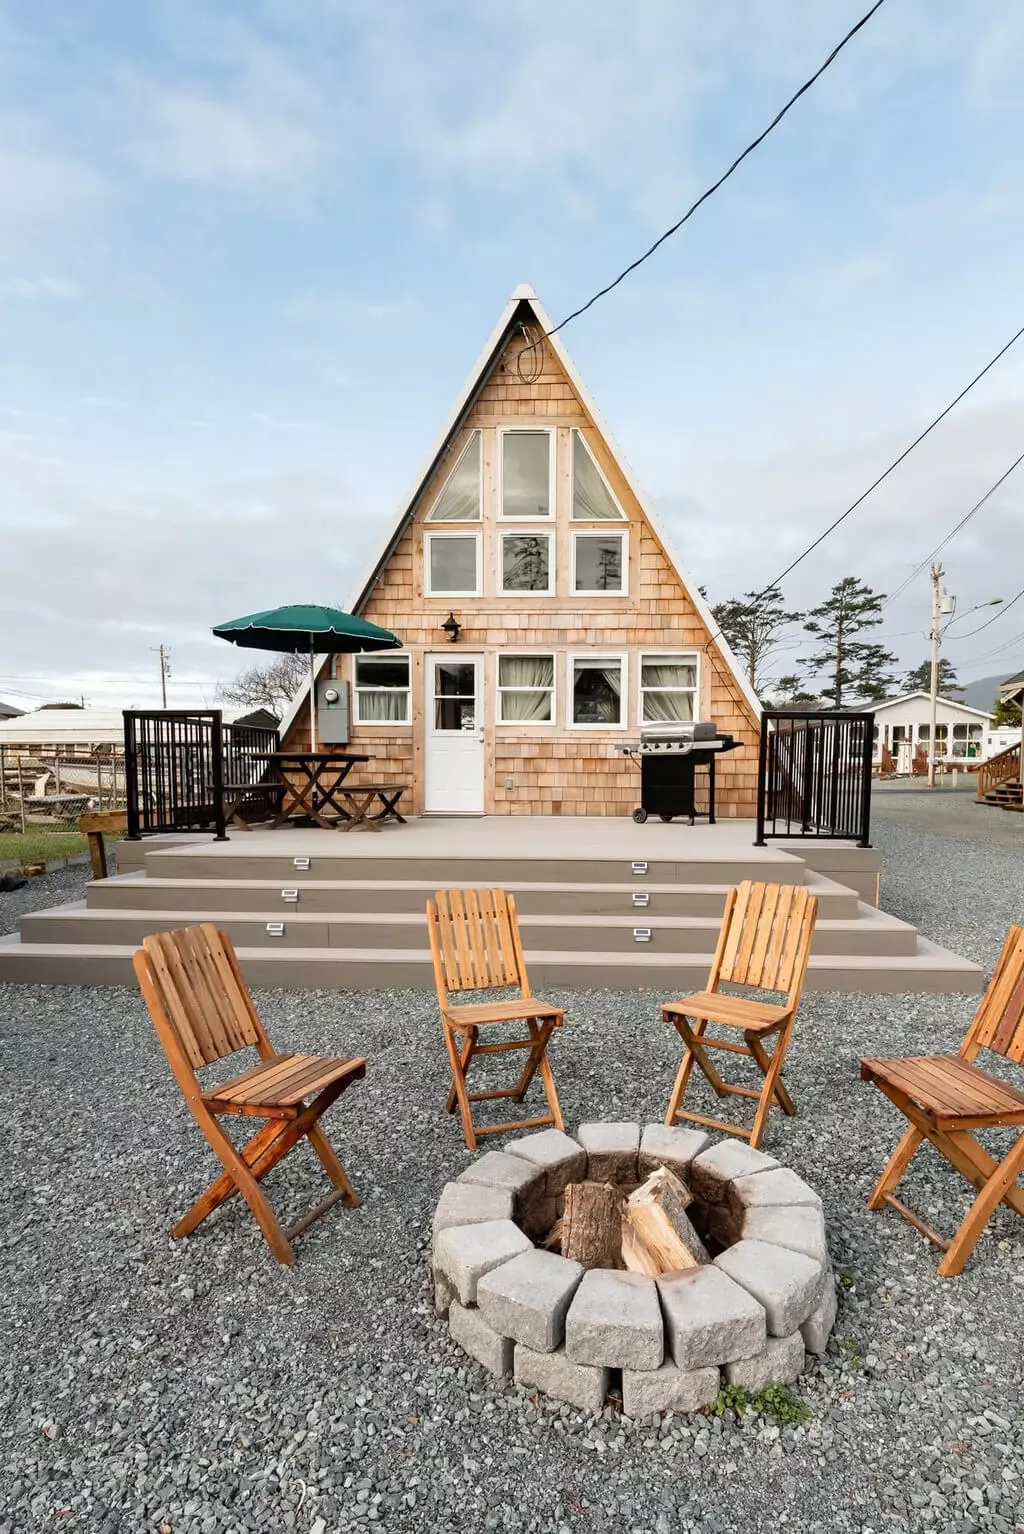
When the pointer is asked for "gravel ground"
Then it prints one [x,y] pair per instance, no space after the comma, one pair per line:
[195,1386]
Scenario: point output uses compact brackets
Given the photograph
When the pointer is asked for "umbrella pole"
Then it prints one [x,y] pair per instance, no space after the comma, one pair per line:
[312,698]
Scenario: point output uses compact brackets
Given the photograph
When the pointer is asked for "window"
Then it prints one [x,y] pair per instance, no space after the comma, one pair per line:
[382,689]
[668,688]
[598,687]
[452,564]
[592,499]
[460,498]
[600,564]
[526,563]
[454,695]
[527,474]
[526,689]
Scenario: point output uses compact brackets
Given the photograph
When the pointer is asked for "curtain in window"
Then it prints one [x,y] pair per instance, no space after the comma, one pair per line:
[383,707]
[597,693]
[662,705]
[592,501]
[667,707]
[459,501]
[525,473]
[535,674]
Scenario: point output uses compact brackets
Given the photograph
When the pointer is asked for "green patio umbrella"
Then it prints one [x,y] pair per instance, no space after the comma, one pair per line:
[308,627]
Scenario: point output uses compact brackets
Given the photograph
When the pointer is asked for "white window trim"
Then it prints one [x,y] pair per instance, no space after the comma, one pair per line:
[381,724]
[613,530]
[526,724]
[452,532]
[642,655]
[524,530]
[596,655]
[507,431]
[462,521]
[574,434]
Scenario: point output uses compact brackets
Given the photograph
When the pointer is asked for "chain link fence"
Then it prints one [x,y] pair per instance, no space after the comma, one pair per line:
[43,794]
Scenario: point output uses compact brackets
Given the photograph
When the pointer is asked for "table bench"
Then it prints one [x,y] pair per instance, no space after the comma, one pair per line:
[360,798]
[93,825]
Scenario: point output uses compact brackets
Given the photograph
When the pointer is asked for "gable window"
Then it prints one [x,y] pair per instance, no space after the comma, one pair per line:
[592,499]
[600,564]
[526,563]
[452,564]
[668,688]
[460,499]
[526,689]
[598,689]
[382,689]
[527,474]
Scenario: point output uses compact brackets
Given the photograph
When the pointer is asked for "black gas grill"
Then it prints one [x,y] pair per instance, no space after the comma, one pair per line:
[669,758]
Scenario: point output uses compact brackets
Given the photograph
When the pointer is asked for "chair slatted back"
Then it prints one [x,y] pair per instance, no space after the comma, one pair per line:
[766,936]
[999,1021]
[206,1002]
[474,938]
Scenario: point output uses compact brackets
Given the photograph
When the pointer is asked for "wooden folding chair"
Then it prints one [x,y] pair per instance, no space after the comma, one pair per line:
[474,940]
[947,1096]
[202,1012]
[764,943]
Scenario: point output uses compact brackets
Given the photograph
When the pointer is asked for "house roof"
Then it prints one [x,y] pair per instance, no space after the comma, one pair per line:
[523,299]
[8,710]
[1012,690]
[979,713]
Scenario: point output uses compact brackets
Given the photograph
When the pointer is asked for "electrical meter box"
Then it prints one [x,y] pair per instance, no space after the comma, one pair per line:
[332,712]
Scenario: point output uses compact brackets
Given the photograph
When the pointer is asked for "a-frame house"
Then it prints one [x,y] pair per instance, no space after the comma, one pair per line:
[544,616]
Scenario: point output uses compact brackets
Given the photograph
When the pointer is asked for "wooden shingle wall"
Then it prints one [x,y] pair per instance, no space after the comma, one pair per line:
[553,769]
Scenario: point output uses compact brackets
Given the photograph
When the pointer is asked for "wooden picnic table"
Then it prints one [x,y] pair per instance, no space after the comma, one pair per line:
[320,775]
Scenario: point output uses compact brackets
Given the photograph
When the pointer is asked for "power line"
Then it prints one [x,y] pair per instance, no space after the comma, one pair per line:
[951,535]
[1005,608]
[836,51]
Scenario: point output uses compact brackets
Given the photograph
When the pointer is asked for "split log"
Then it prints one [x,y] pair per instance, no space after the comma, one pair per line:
[553,1240]
[592,1224]
[662,1238]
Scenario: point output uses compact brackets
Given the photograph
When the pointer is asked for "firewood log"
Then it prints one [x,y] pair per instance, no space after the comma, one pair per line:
[663,1238]
[592,1224]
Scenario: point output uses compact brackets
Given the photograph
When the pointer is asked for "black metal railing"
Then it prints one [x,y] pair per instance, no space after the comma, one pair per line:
[814,775]
[181,766]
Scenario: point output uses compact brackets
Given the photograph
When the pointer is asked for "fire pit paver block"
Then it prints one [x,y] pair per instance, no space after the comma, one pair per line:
[495,1169]
[466,1252]
[444,1293]
[801,1229]
[778,1185]
[669,1145]
[562,1159]
[817,1329]
[779,1363]
[709,1319]
[464,1203]
[713,1170]
[667,1389]
[578,1385]
[612,1152]
[788,1284]
[527,1298]
[479,1340]
[615,1319]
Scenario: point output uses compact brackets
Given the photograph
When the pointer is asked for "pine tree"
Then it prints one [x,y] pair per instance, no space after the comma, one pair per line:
[920,679]
[855,670]
[752,625]
[1006,715]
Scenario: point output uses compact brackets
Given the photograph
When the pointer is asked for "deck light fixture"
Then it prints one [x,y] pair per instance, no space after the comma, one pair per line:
[452,627]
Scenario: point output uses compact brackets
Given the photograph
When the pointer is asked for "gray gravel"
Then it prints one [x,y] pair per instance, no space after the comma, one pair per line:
[195,1386]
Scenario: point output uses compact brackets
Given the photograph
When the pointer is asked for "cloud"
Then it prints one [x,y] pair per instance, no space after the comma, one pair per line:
[38,287]
[37,183]
[195,137]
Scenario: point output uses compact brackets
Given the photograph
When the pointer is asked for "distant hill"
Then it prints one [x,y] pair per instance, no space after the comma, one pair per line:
[982,693]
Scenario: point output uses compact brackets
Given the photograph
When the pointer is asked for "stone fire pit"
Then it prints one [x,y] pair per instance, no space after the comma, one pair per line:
[746,1317]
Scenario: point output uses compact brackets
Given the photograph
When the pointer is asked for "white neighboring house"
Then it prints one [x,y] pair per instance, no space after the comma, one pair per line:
[903,725]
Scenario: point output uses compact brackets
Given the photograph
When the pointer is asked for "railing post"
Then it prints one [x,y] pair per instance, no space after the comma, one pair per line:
[217,746]
[865,781]
[762,780]
[131,777]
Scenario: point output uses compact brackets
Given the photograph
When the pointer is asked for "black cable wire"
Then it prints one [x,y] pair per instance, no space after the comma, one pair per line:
[836,51]
[951,535]
[988,623]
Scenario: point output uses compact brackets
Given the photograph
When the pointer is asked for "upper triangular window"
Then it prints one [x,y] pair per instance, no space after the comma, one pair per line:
[459,501]
[592,500]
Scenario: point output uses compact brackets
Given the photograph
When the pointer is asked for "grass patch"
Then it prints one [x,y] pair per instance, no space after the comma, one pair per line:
[776,1402]
[39,846]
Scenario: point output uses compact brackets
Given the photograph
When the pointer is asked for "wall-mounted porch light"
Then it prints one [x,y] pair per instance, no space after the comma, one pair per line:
[452,627]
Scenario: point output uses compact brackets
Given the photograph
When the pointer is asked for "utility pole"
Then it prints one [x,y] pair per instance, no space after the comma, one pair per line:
[165,669]
[942,606]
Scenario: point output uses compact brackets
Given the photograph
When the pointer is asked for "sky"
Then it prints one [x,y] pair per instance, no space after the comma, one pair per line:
[249,252]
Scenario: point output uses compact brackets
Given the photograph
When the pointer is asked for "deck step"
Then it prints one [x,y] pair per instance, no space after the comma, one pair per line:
[870,932]
[929,969]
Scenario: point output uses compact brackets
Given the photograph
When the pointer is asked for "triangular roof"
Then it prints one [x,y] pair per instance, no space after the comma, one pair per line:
[524,304]
[949,702]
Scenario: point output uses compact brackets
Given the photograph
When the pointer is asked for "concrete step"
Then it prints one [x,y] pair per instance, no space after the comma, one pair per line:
[869,932]
[929,970]
[209,897]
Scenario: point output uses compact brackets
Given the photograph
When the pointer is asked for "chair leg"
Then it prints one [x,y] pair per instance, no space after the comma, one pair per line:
[240,1173]
[333,1167]
[764,1060]
[538,1061]
[692,1052]
[225,1185]
[459,1084]
[993,1193]
[976,1156]
[895,1167]
[772,1085]
[467,1053]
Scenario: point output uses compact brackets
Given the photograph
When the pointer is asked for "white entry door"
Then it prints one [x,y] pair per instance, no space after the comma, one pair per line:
[454,735]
